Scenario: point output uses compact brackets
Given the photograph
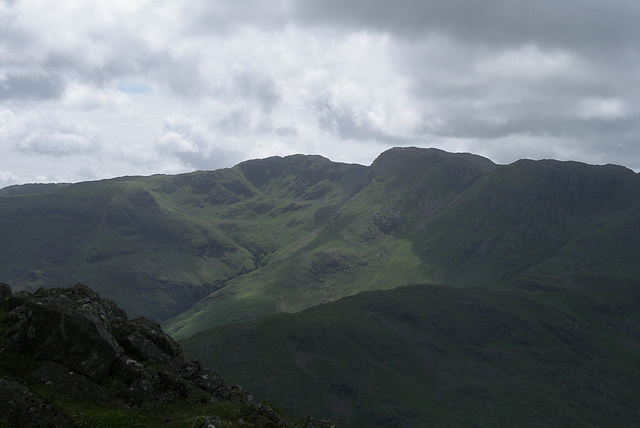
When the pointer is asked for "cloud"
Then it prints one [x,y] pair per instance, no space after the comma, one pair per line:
[7,177]
[142,86]
[347,124]
[191,142]
[257,87]
[586,25]
[223,17]
[86,97]
[606,109]
[30,88]
[46,136]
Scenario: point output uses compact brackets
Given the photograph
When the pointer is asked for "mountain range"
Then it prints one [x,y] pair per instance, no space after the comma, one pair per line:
[427,286]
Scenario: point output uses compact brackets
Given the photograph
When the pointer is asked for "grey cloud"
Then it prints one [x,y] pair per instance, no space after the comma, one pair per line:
[7,177]
[258,87]
[346,124]
[35,87]
[46,136]
[572,23]
[235,122]
[535,124]
[192,143]
[121,56]
[56,144]
[97,55]
[521,78]
[223,16]
[247,88]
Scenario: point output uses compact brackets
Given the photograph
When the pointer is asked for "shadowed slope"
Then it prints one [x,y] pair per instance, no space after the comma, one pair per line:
[529,355]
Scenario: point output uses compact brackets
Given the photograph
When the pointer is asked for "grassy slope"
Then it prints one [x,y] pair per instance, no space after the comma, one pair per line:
[451,219]
[530,354]
[342,254]
[283,234]
[110,233]
[158,244]
[558,218]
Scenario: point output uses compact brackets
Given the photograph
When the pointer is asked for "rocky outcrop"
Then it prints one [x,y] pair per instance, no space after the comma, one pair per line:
[22,408]
[85,344]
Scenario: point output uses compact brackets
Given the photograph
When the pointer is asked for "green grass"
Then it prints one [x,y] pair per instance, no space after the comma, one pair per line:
[281,235]
[180,414]
[562,352]
[251,234]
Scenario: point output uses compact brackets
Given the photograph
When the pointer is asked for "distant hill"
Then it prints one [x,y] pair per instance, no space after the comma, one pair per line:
[283,234]
[301,272]
[529,354]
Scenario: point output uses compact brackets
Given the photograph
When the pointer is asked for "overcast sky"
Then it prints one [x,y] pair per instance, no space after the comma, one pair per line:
[96,89]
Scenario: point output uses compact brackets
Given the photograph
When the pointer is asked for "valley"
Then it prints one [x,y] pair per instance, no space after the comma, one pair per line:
[428,286]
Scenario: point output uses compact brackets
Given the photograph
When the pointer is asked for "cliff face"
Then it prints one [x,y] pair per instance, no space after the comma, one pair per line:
[73,346]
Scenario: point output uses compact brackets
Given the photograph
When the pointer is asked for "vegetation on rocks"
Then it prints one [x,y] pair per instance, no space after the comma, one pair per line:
[71,358]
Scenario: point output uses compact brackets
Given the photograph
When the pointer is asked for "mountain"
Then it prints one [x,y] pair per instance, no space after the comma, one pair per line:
[432,216]
[527,354]
[301,272]
[158,244]
[283,234]
[69,358]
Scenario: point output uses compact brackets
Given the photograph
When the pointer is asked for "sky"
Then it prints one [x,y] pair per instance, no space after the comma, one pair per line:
[98,89]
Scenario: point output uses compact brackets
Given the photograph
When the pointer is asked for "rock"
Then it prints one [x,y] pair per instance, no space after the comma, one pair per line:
[88,349]
[144,339]
[211,422]
[206,380]
[63,327]
[74,384]
[387,219]
[21,408]
[85,341]
[5,292]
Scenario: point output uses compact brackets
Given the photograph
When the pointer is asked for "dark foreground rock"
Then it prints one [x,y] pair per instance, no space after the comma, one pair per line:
[22,408]
[85,347]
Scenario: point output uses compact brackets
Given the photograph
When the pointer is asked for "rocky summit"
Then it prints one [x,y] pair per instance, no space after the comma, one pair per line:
[69,357]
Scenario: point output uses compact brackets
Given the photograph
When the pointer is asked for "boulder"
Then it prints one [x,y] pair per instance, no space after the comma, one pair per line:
[5,292]
[71,383]
[86,348]
[85,341]
[19,407]
[144,339]
[68,326]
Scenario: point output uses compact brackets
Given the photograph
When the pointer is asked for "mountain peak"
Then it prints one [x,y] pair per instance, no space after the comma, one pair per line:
[404,159]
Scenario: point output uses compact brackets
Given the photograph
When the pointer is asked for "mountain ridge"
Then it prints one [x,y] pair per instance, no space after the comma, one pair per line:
[295,248]
[285,233]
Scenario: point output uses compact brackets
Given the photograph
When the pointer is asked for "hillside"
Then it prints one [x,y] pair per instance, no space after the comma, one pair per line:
[526,354]
[431,216]
[158,244]
[283,234]
[295,277]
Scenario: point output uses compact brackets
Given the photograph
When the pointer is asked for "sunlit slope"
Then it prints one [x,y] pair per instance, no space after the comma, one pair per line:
[283,234]
[158,244]
[432,216]
[363,242]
